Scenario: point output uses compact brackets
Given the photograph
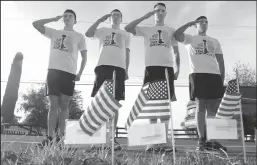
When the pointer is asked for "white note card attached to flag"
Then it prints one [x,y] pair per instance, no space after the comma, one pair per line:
[146,134]
[75,135]
[221,129]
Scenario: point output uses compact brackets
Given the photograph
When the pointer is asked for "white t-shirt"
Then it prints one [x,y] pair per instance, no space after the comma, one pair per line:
[158,41]
[112,46]
[64,49]
[201,51]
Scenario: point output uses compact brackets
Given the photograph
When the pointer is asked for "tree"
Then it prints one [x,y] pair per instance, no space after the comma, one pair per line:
[246,74]
[36,105]
[11,92]
[16,119]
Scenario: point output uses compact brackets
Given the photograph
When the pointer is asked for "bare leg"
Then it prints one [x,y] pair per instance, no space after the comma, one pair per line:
[64,114]
[52,114]
[200,117]
[212,106]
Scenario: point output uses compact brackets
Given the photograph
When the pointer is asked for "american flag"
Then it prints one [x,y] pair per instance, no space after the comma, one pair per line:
[102,107]
[191,107]
[151,103]
[229,105]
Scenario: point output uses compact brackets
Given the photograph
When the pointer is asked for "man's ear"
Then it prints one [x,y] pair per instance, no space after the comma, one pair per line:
[109,19]
[75,22]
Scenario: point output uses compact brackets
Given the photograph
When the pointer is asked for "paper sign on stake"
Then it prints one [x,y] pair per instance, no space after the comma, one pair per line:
[74,134]
[147,134]
[221,129]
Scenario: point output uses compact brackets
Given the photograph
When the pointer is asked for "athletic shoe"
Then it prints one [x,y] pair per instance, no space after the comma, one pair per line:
[215,146]
[201,145]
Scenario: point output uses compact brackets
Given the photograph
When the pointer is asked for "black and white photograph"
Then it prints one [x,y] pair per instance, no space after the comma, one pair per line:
[128,83]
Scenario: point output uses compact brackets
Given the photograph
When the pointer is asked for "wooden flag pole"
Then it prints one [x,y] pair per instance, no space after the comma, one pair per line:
[114,83]
[172,133]
[241,119]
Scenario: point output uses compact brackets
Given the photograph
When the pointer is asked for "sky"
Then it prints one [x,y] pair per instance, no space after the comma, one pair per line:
[232,23]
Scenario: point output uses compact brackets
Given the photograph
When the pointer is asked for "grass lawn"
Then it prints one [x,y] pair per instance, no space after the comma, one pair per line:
[55,156]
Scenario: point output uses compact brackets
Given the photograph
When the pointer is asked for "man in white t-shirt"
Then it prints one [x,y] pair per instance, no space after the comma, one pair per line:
[160,47]
[62,69]
[206,77]
[114,55]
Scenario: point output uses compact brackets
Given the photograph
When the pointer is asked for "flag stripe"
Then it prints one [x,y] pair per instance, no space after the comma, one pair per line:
[155,114]
[154,104]
[157,104]
[157,108]
[98,111]
[154,111]
[229,105]
[86,125]
[108,108]
[98,105]
[101,108]
[165,117]
[226,102]
[93,116]
[228,108]
[225,115]
[84,129]
[221,116]
[91,121]
[114,103]
[135,111]
[138,106]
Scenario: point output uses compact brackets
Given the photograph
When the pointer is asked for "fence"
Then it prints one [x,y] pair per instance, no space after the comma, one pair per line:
[22,129]
[36,130]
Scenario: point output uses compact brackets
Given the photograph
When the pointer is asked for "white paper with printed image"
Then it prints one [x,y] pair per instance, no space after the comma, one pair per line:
[75,135]
[221,129]
[146,134]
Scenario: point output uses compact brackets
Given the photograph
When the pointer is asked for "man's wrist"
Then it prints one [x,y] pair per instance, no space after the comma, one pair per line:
[189,24]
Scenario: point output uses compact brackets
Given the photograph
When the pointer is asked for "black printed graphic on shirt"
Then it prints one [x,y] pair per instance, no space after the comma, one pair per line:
[60,43]
[160,38]
[113,39]
[206,47]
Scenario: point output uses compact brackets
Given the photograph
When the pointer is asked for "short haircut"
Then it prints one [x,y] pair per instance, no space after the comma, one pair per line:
[72,12]
[117,10]
[161,4]
[201,17]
